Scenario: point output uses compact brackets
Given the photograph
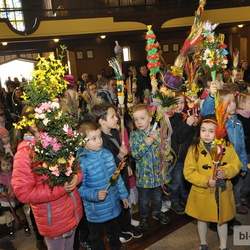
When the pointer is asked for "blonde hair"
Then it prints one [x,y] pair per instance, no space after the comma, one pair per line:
[140,107]
[241,98]
[224,93]
[6,158]
[179,93]
[87,126]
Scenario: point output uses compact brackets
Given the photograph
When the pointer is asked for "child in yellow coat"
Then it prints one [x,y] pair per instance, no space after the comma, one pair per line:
[204,203]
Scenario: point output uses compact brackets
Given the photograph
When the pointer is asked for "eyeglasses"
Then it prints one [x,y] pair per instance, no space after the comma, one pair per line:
[92,89]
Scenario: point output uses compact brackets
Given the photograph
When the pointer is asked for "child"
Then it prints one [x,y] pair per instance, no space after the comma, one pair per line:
[243,114]
[102,206]
[5,145]
[103,90]
[8,200]
[144,147]
[236,137]
[56,212]
[4,122]
[198,170]
[105,114]
[133,193]
[183,131]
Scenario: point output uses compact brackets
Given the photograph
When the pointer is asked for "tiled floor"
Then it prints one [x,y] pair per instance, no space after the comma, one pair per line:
[185,238]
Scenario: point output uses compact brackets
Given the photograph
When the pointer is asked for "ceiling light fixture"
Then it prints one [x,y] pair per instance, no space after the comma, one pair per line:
[240,25]
[56,40]
[4,43]
[103,37]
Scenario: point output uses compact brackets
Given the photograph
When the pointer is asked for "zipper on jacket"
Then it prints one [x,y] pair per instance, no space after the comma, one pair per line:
[74,201]
[49,214]
[179,150]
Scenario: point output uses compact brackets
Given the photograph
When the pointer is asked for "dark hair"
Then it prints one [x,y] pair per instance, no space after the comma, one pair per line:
[211,118]
[100,111]
[142,65]
[102,82]
[86,126]
[196,138]
[205,78]
[231,86]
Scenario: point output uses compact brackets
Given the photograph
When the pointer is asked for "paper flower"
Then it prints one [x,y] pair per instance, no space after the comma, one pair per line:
[214,57]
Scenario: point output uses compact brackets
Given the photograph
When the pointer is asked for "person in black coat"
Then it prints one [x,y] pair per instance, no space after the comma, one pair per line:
[183,131]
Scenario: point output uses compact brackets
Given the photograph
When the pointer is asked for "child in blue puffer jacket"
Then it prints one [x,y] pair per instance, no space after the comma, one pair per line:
[236,136]
[102,206]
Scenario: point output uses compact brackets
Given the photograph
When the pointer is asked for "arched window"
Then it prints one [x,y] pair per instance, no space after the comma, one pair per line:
[12,10]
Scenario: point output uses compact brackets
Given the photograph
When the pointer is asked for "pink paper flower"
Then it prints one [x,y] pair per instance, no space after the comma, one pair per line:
[68,130]
[69,171]
[44,106]
[46,140]
[56,172]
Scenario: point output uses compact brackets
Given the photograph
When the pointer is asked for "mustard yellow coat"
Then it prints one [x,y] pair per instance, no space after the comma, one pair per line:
[201,203]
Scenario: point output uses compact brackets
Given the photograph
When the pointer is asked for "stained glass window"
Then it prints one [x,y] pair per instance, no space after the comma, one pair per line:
[12,9]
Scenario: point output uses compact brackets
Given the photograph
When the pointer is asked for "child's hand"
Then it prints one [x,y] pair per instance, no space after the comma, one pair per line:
[125,203]
[211,182]
[102,195]
[220,173]
[130,171]
[213,88]
[149,140]
[123,151]
[153,134]
[69,187]
[243,173]
[133,70]
[154,85]
[191,120]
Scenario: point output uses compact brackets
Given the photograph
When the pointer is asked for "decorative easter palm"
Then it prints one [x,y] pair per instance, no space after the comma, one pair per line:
[53,151]
[5,192]
[235,61]
[190,46]
[214,57]
[152,49]
[114,177]
[131,90]
[217,149]
[192,70]
[190,53]
[115,63]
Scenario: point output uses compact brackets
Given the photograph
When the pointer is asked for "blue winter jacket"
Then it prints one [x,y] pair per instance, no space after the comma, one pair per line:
[234,129]
[97,168]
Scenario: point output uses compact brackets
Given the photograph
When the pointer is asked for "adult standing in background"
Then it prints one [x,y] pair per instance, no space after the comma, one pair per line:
[85,80]
[143,82]
[245,70]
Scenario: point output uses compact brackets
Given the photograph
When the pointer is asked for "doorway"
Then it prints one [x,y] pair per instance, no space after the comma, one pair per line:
[16,68]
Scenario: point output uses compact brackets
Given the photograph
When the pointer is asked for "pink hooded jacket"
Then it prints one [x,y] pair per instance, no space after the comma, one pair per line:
[55,211]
